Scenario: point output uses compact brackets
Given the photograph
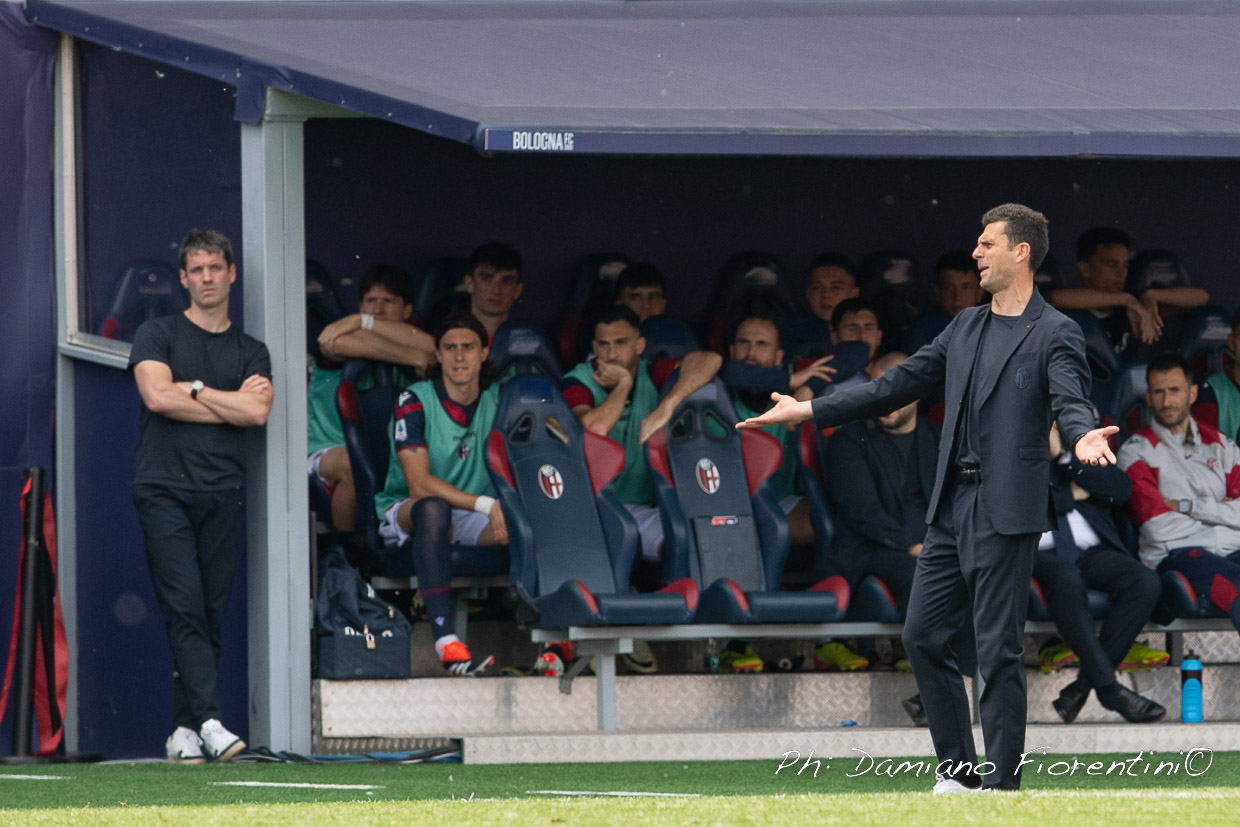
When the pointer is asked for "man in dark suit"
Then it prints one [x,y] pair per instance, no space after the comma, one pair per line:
[1008,367]
[1086,551]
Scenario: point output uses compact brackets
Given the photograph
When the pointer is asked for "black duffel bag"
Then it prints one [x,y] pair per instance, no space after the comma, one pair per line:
[360,636]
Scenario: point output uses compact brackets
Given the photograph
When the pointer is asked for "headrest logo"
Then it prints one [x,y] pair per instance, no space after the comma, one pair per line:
[707,476]
[550,481]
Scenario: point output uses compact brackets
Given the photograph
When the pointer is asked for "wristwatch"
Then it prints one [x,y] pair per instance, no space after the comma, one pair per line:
[194,388]
[1185,507]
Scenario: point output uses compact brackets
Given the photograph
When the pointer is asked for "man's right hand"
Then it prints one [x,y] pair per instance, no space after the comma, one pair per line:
[787,409]
[612,376]
[1146,325]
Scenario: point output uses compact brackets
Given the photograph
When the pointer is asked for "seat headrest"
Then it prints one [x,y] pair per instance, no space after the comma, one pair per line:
[667,338]
[524,348]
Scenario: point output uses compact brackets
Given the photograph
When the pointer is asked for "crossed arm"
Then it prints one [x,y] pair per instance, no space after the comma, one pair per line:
[245,407]
[395,342]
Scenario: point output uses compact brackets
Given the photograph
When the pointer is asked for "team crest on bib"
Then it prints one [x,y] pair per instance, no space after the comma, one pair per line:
[462,450]
[707,476]
[550,481]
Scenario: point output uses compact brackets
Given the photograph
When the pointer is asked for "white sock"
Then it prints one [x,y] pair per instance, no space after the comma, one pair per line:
[443,642]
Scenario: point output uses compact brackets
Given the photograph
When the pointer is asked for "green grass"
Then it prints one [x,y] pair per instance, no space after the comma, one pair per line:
[740,792]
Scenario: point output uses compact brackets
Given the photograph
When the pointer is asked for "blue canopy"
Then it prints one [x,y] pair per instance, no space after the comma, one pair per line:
[870,78]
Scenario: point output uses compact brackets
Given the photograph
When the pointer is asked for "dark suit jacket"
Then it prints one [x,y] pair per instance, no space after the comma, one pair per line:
[1109,488]
[1044,374]
[865,494]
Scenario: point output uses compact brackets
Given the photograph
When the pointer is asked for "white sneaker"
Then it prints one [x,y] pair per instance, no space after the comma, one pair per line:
[944,785]
[218,743]
[184,747]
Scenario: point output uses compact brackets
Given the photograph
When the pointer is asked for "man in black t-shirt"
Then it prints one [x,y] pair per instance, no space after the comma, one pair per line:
[202,382]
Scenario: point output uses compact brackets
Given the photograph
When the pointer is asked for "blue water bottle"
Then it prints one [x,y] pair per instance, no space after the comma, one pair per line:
[1190,689]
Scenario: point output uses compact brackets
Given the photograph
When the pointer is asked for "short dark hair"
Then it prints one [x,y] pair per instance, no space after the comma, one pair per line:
[960,260]
[463,320]
[1023,225]
[497,255]
[849,306]
[616,313]
[206,241]
[640,274]
[831,258]
[1088,242]
[391,278]
[1168,361]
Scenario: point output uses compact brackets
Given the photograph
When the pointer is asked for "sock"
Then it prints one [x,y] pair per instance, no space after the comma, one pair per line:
[431,517]
[442,643]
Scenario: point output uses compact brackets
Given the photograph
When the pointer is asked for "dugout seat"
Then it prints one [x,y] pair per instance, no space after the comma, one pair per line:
[523,349]
[1182,600]
[441,289]
[144,290]
[1203,340]
[323,305]
[366,409]
[1099,602]
[748,283]
[721,525]
[572,542]
[1125,405]
[891,283]
[667,338]
[592,287]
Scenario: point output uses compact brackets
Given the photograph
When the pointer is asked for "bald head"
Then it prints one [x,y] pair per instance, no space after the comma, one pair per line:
[885,363]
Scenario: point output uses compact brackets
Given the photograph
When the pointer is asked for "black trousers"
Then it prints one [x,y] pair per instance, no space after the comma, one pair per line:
[1132,587]
[192,544]
[964,559]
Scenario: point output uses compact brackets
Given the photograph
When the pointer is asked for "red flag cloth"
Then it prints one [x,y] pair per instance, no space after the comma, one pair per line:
[51,733]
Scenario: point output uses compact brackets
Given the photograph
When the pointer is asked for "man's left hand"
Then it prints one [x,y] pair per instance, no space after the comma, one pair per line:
[1093,448]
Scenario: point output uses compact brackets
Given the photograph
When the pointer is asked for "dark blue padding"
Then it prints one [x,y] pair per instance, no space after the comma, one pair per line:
[872,602]
[1126,405]
[1184,598]
[144,290]
[810,477]
[592,288]
[365,417]
[667,338]
[525,349]
[572,543]
[441,290]
[1204,339]
[722,525]
[1099,602]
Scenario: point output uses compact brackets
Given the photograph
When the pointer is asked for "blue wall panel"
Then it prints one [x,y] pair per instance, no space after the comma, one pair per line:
[28,310]
[124,665]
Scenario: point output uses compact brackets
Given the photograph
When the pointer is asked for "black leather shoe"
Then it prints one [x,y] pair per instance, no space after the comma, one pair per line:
[1135,708]
[1071,698]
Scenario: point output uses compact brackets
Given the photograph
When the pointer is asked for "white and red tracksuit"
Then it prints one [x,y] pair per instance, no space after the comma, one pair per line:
[1202,466]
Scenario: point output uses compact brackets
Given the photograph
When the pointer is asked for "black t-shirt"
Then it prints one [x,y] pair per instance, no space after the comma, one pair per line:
[201,456]
[987,361]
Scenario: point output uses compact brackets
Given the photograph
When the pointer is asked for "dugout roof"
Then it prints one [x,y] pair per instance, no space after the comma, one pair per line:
[850,77]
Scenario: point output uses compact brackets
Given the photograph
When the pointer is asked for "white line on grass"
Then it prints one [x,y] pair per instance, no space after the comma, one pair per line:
[298,786]
[617,793]
[33,777]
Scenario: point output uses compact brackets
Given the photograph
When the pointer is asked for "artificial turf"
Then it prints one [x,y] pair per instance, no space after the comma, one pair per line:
[436,786]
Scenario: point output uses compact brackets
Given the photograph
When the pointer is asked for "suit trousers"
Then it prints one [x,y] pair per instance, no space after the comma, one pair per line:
[1132,587]
[966,560]
[193,540]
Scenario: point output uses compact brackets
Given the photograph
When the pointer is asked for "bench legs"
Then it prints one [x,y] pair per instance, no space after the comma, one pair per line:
[604,653]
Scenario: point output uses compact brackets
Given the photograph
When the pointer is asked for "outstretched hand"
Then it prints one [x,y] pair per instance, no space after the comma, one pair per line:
[1093,448]
[787,409]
